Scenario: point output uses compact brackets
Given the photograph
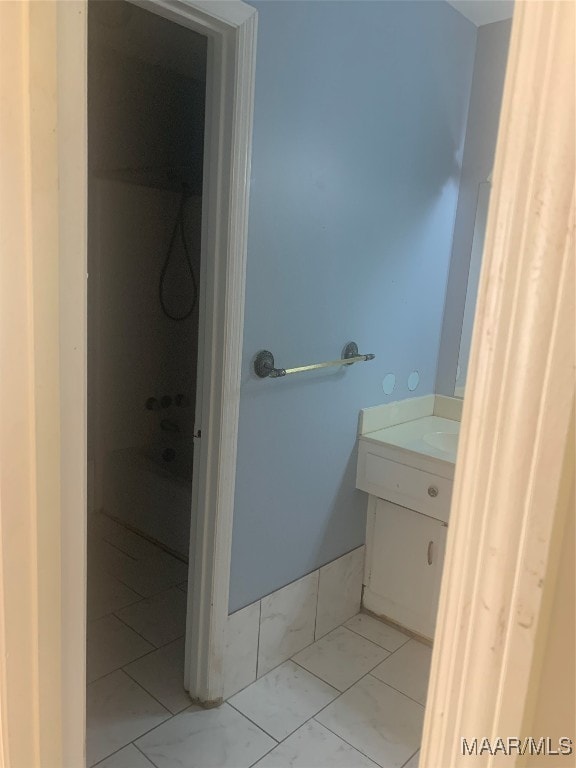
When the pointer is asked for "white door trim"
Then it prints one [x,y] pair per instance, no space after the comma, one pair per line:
[230,26]
[514,452]
[231,30]
[31,601]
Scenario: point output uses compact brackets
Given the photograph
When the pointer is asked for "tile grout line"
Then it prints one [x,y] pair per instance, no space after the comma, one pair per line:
[264,755]
[141,736]
[137,658]
[116,669]
[322,725]
[119,580]
[146,597]
[97,571]
[410,758]
[135,559]
[144,754]
[341,693]
[312,717]
[157,647]
[368,674]
[169,713]
[291,658]
[306,722]
[162,722]
[317,601]
[347,742]
[118,549]
[111,613]
[204,710]
[342,626]
[257,643]
[260,728]
[373,641]
[397,690]
[173,714]
[327,683]
[95,765]
[115,576]
[120,669]
[116,751]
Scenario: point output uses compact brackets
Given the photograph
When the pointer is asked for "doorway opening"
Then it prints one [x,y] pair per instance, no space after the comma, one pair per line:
[146,122]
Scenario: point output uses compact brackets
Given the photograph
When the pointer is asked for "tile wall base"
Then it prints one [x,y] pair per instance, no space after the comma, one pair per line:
[268,632]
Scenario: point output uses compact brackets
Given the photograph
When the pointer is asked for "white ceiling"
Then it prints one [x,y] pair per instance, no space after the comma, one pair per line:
[481,12]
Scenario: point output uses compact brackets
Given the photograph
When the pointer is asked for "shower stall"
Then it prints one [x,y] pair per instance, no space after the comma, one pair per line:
[146,103]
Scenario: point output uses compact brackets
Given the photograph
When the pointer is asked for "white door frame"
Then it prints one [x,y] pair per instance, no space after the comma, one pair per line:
[515,457]
[230,26]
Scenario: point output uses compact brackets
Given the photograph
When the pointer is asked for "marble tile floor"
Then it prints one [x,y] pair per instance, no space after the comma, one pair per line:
[352,699]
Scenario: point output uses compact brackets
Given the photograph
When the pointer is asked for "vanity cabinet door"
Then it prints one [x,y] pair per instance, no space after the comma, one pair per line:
[405,566]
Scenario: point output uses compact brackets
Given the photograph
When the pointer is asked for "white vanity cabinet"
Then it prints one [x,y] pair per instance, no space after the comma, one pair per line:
[404,559]
[406,456]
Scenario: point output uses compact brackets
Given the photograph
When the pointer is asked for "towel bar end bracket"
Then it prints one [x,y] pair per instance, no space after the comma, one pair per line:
[264,366]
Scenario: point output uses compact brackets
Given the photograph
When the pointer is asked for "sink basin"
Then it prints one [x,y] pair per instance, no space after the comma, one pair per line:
[443,441]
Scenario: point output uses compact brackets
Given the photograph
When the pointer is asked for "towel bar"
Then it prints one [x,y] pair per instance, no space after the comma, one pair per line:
[264,363]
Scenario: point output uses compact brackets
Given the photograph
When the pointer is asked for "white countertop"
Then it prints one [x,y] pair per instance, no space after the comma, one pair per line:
[410,436]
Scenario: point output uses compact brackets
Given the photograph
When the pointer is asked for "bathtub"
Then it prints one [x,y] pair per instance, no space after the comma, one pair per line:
[150,495]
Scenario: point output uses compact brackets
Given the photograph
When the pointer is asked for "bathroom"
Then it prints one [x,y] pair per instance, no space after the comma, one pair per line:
[373,146]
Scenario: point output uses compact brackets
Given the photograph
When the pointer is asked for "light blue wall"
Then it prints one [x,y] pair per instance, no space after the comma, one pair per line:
[359,124]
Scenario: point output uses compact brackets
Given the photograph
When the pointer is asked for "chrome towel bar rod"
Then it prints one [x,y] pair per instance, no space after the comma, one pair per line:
[264,363]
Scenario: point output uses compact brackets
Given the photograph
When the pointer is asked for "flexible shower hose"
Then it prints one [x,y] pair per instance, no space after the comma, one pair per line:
[178,227]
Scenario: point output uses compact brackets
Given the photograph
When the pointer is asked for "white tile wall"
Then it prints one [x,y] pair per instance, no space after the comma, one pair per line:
[241,653]
[287,621]
[266,633]
[339,591]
